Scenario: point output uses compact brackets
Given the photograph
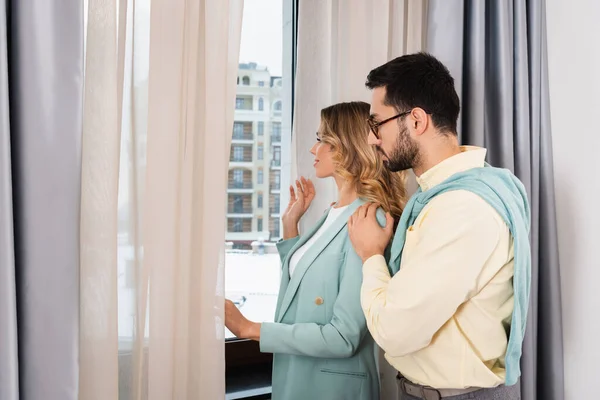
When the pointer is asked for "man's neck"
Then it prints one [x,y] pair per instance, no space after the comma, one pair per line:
[439,151]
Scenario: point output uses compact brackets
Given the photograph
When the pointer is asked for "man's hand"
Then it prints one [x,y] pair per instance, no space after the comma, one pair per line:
[238,324]
[367,236]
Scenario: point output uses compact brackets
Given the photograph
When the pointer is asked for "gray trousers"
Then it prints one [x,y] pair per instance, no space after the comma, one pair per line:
[497,393]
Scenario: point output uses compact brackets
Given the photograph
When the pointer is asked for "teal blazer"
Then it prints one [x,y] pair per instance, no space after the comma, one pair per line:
[321,345]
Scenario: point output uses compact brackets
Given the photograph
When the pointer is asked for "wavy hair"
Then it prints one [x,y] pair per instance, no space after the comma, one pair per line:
[344,127]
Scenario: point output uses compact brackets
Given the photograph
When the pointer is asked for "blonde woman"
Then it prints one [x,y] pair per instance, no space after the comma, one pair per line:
[322,349]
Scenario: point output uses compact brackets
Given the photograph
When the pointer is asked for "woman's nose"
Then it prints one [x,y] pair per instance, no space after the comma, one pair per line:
[313,150]
[373,139]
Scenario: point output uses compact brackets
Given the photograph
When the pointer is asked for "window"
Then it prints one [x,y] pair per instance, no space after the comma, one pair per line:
[238,204]
[238,130]
[239,103]
[277,179]
[238,153]
[238,175]
[276,161]
[277,106]
[260,177]
[259,152]
[276,129]
[265,71]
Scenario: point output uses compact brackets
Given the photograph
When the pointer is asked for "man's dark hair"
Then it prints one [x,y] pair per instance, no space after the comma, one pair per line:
[419,80]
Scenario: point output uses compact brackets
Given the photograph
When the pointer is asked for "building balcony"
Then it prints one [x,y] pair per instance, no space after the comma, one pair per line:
[275,164]
[241,163]
[239,185]
[240,210]
[243,138]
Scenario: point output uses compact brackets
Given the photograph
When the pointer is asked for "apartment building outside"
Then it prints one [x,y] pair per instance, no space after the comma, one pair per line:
[254,180]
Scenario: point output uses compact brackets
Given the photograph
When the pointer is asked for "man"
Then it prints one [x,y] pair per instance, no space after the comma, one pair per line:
[450,309]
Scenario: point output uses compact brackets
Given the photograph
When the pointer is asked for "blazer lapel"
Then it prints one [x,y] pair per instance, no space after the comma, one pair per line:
[312,253]
[285,269]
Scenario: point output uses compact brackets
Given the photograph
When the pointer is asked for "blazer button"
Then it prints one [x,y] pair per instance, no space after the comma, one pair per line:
[319,300]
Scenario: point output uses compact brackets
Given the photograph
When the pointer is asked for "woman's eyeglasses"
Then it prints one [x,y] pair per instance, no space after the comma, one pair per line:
[374,125]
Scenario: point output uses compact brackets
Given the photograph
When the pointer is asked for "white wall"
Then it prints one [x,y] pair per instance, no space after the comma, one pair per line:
[574,74]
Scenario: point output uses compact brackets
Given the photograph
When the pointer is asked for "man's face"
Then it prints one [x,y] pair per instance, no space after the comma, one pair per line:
[398,149]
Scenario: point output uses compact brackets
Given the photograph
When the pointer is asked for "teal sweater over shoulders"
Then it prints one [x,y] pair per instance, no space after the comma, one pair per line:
[506,194]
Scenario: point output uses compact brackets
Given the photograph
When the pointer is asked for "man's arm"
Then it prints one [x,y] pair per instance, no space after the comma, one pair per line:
[458,234]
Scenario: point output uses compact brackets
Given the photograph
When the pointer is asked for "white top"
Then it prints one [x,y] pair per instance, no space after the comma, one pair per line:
[298,254]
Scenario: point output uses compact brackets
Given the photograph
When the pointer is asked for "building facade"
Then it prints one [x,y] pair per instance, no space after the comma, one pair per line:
[254,180]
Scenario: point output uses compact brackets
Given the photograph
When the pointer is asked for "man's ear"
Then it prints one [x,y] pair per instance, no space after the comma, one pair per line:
[418,121]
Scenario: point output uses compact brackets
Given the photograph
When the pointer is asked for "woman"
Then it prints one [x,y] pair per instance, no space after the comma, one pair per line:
[322,349]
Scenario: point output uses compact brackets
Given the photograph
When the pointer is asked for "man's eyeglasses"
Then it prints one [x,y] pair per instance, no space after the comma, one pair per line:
[374,125]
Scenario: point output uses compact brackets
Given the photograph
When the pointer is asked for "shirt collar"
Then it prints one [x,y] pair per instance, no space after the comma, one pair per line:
[468,158]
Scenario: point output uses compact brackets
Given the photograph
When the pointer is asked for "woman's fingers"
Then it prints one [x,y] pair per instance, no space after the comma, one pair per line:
[300,194]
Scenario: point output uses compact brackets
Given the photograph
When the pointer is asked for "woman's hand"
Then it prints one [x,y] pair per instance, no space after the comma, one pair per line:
[300,200]
[238,324]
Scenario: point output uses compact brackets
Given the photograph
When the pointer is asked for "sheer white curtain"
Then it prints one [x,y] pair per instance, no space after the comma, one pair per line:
[158,120]
[338,45]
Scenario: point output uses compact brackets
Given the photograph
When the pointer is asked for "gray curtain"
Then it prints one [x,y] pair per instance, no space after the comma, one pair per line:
[496,51]
[41,78]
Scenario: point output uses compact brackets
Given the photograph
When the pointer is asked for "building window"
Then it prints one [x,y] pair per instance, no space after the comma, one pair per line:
[260,151]
[276,129]
[259,225]
[246,81]
[260,177]
[261,104]
[277,106]
[238,204]
[238,176]
[238,153]
[238,130]
[259,201]
[277,154]
[239,103]
[261,83]
[274,205]
[238,225]
[261,128]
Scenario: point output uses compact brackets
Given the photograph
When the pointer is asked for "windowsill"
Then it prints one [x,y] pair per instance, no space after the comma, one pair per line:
[247,371]
[248,383]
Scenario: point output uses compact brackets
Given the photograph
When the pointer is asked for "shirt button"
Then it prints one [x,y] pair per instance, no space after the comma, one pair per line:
[319,301]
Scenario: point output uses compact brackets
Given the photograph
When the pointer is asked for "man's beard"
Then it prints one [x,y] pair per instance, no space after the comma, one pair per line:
[406,153]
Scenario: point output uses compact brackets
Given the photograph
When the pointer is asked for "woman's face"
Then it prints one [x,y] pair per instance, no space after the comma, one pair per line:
[324,165]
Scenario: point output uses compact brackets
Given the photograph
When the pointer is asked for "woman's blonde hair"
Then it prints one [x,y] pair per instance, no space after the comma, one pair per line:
[344,127]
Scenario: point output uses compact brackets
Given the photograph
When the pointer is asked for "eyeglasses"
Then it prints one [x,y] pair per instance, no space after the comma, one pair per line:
[374,125]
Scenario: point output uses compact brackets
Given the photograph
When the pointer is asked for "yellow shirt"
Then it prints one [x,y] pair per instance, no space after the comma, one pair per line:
[443,318]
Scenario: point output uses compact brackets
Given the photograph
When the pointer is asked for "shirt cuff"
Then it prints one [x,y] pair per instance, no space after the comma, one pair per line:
[375,262]
[376,275]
